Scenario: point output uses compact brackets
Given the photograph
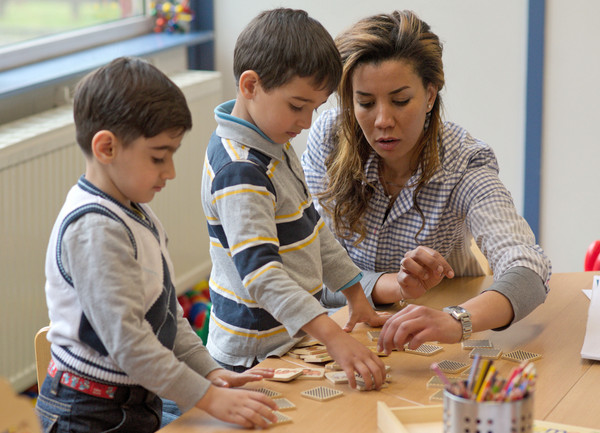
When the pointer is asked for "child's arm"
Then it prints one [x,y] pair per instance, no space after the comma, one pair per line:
[239,406]
[348,352]
[359,309]
[229,379]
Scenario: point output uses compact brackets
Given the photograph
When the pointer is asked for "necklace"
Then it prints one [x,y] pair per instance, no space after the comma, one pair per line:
[386,183]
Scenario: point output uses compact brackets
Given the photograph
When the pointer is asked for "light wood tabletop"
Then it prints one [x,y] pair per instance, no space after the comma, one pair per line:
[565,389]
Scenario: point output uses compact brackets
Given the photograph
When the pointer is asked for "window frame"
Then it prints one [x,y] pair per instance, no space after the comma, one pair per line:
[36,50]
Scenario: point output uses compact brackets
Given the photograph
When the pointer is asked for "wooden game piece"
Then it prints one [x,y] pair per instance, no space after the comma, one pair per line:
[312,373]
[373,335]
[361,386]
[312,350]
[284,404]
[436,382]
[321,357]
[268,392]
[336,377]
[321,393]
[376,352]
[486,352]
[466,373]
[333,366]
[452,367]
[472,344]
[424,349]
[285,374]
[360,382]
[438,396]
[281,419]
[521,355]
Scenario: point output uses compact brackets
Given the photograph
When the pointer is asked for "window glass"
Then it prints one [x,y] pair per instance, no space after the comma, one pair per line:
[27,20]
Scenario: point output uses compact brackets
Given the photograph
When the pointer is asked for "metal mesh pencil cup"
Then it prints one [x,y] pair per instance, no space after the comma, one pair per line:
[463,415]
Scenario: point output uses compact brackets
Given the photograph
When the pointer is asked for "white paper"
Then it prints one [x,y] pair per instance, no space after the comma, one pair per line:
[591,343]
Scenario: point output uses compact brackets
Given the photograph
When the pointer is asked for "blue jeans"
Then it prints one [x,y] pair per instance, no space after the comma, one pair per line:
[63,409]
[170,412]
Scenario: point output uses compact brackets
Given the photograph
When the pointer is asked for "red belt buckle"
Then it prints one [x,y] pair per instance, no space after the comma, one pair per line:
[82,384]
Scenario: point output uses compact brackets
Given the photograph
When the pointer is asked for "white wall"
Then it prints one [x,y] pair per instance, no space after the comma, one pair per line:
[570,205]
[485,49]
[484,58]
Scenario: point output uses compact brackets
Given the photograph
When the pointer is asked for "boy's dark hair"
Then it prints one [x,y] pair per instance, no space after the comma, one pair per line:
[282,43]
[132,99]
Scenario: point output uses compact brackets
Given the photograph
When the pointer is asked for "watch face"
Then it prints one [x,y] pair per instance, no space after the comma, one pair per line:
[456,312]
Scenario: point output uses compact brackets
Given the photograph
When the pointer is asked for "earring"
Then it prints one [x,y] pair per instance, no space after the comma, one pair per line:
[429,106]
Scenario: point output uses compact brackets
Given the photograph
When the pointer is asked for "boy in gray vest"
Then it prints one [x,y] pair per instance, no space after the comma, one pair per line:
[118,337]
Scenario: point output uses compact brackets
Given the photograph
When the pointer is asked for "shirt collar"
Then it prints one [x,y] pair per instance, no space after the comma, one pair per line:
[242,131]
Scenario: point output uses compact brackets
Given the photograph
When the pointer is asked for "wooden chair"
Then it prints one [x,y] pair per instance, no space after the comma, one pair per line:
[485,266]
[16,412]
[42,354]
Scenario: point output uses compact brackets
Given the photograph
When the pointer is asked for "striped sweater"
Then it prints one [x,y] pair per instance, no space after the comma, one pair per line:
[270,249]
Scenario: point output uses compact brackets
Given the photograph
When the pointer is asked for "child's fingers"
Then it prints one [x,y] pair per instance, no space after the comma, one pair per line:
[220,382]
[378,320]
[254,410]
[349,326]
[264,406]
[263,372]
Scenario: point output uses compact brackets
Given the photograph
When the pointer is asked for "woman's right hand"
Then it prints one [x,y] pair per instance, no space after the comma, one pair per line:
[420,270]
[239,406]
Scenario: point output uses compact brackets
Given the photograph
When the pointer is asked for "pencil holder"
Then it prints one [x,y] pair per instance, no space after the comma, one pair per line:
[463,415]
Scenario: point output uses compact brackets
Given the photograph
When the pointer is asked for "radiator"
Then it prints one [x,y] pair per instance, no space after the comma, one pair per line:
[39,162]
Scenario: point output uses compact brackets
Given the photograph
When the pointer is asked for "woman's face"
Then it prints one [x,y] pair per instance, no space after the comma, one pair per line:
[390,105]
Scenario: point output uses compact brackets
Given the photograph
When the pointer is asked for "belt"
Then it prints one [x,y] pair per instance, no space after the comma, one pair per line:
[83,384]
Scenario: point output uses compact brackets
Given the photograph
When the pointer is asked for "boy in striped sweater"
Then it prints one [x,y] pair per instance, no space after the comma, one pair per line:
[271,251]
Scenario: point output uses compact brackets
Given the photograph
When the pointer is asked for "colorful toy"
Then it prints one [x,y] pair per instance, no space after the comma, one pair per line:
[171,16]
[196,308]
[592,257]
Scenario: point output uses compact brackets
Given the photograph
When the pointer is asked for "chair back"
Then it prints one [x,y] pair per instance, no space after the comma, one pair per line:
[481,259]
[42,355]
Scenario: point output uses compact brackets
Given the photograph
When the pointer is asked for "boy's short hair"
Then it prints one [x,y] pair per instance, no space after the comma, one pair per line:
[280,44]
[132,99]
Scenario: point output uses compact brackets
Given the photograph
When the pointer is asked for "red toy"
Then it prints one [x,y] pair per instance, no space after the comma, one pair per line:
[592,257]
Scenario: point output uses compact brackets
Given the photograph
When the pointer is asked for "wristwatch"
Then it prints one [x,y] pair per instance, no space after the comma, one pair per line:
[464,317]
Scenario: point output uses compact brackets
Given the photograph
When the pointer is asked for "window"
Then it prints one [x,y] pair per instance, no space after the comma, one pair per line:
[39,29]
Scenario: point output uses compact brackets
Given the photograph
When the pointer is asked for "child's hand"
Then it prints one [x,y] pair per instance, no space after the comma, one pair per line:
[355,357]
[229,379]
[246,408]
[348,352]
[359,309]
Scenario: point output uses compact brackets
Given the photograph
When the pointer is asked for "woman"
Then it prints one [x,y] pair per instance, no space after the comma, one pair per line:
[404,191]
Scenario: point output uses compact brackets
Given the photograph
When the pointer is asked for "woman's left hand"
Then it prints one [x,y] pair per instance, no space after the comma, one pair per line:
[420,270]
[415,325]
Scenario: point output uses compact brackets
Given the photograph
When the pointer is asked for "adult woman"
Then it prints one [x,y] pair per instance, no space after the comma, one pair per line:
[404,192]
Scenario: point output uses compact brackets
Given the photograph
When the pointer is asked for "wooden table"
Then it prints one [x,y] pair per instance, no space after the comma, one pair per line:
[565,392]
